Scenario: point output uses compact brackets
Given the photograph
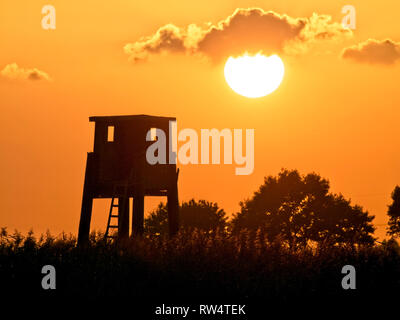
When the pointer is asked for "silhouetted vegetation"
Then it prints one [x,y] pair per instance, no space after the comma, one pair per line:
[195,264]
[295,209]
[299,209]
[200,214]
[394,213]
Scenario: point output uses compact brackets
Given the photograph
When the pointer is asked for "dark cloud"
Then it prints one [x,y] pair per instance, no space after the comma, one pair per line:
[374,52]
[13,71]
[247,30]
[167,38]
[250,30]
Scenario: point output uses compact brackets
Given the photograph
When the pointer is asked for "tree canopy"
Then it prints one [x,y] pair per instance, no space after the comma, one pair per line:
[299,208]
[200,214]
[394,213]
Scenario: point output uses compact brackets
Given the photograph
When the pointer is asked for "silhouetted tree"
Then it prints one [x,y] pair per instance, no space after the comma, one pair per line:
[157,221]
[200,214]
[300,208]
[394,213]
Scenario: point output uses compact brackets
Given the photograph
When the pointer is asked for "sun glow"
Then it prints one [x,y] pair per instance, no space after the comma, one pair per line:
[254,76]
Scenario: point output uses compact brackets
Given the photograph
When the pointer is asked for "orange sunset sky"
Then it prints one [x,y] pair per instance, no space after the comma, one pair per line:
[336,112]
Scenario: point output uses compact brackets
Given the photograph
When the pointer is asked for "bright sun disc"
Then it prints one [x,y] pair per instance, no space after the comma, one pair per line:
[254,76]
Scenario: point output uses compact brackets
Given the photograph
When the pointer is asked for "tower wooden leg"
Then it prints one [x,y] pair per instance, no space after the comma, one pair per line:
[173,210]
[84,223]
[123,218]
[87,204]
[138,214]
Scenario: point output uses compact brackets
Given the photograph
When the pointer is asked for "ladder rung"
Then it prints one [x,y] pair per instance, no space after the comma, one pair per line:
[115,205]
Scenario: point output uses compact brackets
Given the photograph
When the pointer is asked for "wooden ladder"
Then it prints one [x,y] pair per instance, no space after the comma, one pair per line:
[113,205]
[112,215]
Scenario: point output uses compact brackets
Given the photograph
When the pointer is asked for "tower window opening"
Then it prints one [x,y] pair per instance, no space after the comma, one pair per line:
[110,134]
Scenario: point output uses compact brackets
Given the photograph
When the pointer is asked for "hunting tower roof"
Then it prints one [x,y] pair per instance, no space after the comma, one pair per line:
[141,117]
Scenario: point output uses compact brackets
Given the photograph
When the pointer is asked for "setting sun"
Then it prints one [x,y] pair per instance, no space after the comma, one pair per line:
[254,76]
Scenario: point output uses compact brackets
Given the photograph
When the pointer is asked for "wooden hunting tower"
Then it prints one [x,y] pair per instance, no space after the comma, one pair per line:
[117,169]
